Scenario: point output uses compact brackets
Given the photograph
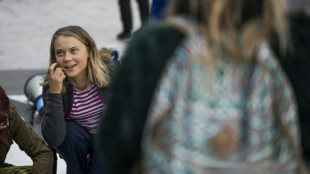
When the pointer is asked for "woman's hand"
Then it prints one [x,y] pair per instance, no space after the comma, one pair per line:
[55,77]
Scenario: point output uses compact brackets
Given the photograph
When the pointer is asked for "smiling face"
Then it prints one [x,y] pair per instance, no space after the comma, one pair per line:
[71,55]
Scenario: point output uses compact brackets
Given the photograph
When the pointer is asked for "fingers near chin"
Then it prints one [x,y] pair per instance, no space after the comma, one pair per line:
[52,67]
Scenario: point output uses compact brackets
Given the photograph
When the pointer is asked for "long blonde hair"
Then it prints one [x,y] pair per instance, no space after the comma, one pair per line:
[97,71]
[235,27]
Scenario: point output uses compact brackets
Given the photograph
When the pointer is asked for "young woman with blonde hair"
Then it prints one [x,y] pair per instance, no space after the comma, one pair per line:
[75,92]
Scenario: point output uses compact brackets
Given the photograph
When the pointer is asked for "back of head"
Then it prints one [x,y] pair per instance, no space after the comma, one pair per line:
[235,26]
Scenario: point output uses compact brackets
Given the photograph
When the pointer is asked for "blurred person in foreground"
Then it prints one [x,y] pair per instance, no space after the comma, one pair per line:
[202,92]
[13,127]
[75,92]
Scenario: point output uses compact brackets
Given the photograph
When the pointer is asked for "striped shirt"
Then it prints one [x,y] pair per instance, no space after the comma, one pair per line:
[87,108]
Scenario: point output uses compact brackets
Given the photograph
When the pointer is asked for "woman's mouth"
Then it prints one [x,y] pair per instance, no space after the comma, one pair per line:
[69,67]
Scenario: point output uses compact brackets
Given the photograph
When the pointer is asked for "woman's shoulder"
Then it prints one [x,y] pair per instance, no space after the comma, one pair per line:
[267,57]
[12,113]
[156,30]
[104,92]
[15,120]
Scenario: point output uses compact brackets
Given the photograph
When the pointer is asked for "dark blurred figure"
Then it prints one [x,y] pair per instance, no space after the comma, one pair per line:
[126,16]
[296,63]
[201,92]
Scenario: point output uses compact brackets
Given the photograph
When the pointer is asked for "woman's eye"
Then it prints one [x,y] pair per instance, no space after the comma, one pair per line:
[74,51]
[60,53]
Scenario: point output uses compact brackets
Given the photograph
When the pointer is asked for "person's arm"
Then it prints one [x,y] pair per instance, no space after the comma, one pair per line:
[30,142]
[296,65]
[287,118]
[284,101]
[285,106]
[285,113]
[53,126]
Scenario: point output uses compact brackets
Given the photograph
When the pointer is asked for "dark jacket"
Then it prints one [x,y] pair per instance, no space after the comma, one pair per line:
[29,142]
[120,130]
[55,110]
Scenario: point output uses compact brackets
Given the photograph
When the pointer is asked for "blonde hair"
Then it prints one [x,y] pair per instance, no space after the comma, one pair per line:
[235,27]
[106,56]
[97,71]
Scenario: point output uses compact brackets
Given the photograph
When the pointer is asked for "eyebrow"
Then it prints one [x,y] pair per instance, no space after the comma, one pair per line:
[56,49]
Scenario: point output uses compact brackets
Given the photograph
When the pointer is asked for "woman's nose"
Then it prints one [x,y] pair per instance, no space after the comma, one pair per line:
[68,57]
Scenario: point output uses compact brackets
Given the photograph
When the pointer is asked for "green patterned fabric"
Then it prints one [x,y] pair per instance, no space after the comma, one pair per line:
[10,169]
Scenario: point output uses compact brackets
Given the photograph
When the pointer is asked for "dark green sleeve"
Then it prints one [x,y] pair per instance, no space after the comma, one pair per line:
[132,88]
